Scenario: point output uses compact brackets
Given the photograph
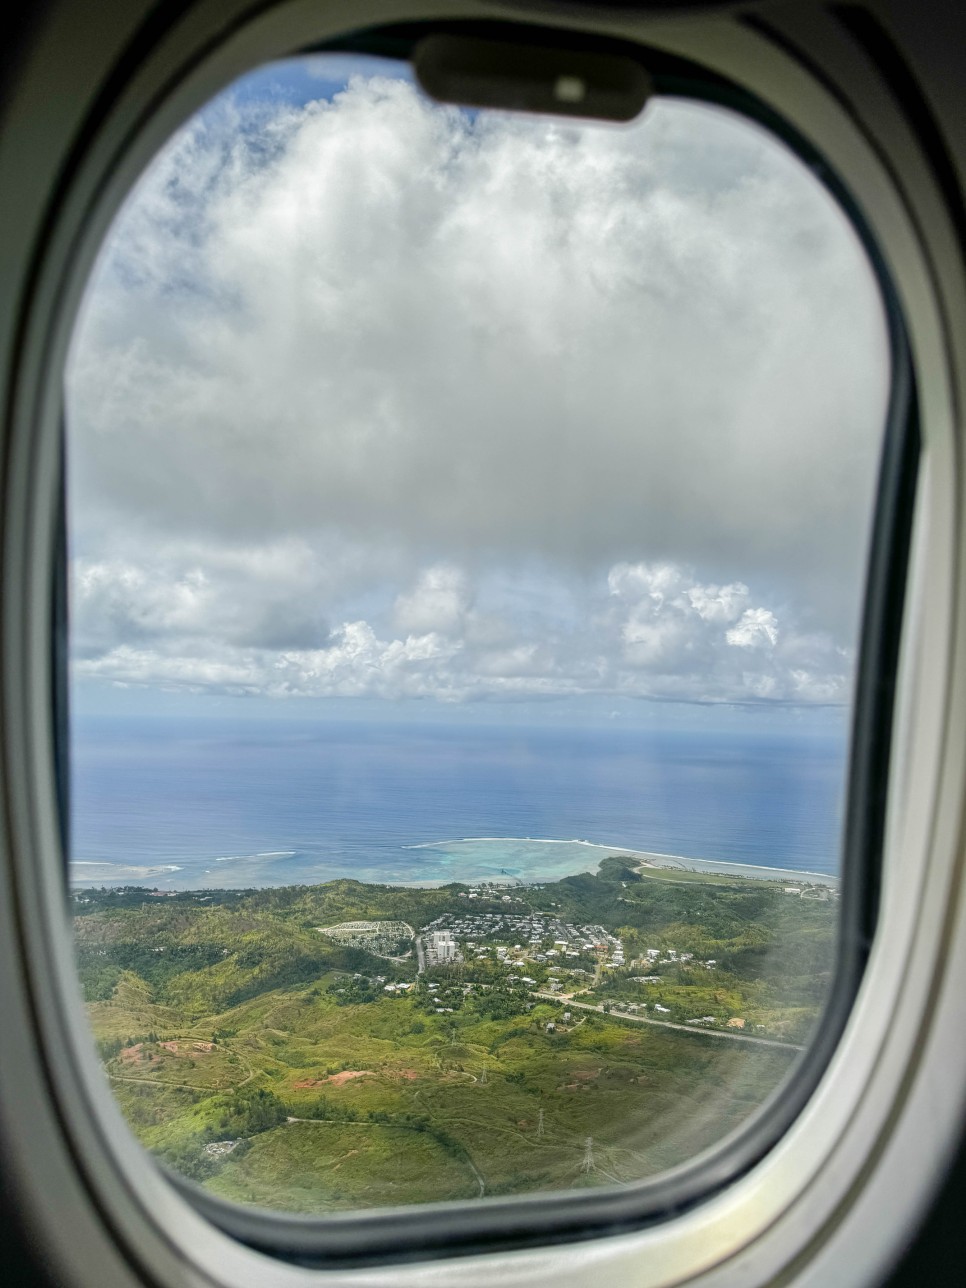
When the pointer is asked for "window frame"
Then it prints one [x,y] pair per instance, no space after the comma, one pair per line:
[32,816]
[428,1230]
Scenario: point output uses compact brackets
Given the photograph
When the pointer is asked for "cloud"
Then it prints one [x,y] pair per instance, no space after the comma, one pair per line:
[375,396]
[641,633]
[683,639]
[758,628]
[265,597]
[439,602]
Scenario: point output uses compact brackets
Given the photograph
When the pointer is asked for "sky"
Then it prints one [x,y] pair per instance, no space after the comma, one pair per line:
[381,404]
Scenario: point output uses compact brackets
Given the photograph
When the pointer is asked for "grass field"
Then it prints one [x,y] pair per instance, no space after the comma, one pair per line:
[452,1109]
[312,1167]
[273,1067]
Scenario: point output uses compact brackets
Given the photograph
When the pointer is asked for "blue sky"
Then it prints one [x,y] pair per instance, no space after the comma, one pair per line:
[294,82]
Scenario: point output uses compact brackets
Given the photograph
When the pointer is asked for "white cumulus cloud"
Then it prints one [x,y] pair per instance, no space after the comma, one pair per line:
[373,397]
[758,628]
[439,602]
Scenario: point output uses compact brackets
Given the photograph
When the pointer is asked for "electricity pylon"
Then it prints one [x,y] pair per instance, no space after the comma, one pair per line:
[588,1164]
[540,1125]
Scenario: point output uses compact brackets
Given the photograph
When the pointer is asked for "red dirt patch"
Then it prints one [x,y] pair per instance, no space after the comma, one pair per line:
[336,1079]
[137,1055]
[169,1046]
[409,1074]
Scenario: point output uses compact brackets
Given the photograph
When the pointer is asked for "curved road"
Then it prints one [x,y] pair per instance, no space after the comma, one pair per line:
[669,1024]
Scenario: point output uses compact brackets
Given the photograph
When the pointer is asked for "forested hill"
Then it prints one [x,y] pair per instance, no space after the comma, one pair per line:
[210,950]
[261,1046]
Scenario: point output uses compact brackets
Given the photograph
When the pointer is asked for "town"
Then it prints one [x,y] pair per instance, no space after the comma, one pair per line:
[567,961]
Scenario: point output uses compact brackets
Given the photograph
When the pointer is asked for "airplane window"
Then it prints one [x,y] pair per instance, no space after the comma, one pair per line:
[468,517]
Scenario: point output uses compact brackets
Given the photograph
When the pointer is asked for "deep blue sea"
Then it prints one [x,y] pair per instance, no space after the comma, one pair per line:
[184,804]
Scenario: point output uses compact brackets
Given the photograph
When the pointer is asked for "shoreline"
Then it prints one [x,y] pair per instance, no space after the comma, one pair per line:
[492,873]
[681,862]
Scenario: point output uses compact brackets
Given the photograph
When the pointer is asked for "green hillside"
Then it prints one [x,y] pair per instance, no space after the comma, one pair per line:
[274,1064]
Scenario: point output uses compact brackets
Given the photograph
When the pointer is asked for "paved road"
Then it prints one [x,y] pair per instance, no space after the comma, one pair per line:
[668,1024]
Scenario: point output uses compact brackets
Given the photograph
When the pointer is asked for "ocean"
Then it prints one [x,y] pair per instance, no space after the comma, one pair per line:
[187,804]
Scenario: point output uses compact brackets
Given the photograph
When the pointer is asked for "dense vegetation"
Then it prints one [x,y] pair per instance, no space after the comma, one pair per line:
[274,1065]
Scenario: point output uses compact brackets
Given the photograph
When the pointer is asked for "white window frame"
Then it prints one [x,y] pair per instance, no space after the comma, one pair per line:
[823,1203]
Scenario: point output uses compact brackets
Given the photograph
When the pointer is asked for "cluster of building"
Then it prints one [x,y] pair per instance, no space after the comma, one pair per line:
[490,891]
[669,957]
[219,1148]
[384,938]
[821,892]
[441,948]
[527,927]
[632,1008]
[531,931]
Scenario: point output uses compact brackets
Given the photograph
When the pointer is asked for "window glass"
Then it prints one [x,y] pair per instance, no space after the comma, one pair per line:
[467,520]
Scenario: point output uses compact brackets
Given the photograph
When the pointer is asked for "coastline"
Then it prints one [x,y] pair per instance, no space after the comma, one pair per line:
[648,858]
[512,861]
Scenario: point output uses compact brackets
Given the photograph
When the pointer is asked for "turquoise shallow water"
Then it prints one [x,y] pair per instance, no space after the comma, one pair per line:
[194,804]
[531,859]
